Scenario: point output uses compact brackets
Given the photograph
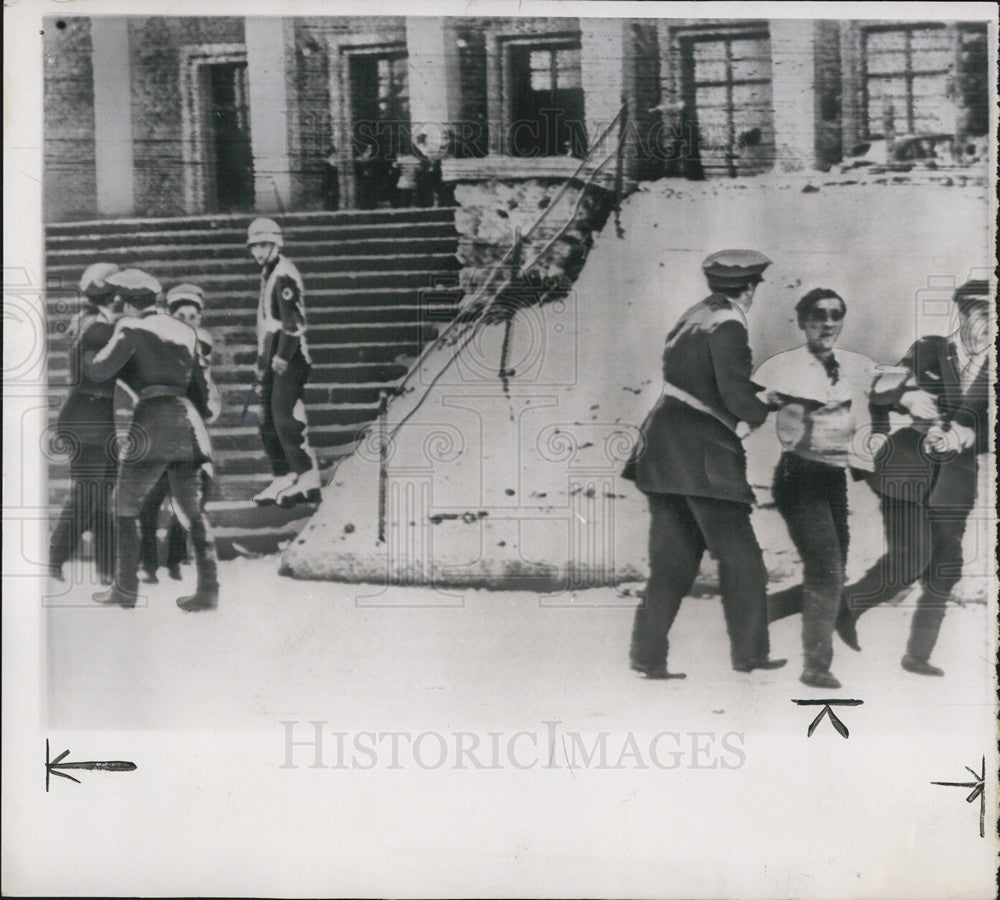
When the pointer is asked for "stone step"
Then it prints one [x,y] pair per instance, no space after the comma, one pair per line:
[221,271]
[239,221]
[374,304]
[323,249]
[345,353]
[235,238]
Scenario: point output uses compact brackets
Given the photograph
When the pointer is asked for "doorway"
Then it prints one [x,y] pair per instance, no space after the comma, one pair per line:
[230,183]
[380,124]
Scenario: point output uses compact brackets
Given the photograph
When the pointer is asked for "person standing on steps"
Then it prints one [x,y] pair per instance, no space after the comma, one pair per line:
[158,357]
[185,302]
[87,424]
[926,474]
[283,366]
[691,465]
[825,396]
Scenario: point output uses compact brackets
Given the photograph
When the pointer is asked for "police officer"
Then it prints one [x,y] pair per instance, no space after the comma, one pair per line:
[158,357]
[283,365]
[86,424]
[691,465]
[926,474]
[185,302]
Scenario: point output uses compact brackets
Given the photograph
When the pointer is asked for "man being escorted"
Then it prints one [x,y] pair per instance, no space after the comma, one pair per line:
[157,356]
[87,423]
[691,465]
[926,474]
[283,366]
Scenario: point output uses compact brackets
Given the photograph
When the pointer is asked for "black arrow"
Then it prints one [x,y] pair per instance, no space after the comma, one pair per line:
[53,767]
[978,790]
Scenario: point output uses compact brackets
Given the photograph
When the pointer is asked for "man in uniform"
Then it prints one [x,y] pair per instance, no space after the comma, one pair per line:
[158,357]
[283,365]
[86,424]
[926,474]
[186,303]
[691,465]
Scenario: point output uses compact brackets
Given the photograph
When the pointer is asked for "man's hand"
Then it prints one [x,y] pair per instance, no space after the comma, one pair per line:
[279,365]
[773,399]
[939,442]
[920,405]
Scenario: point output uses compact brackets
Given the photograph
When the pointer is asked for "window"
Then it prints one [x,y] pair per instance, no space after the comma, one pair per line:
[907,70]
[726,81]
[546,100]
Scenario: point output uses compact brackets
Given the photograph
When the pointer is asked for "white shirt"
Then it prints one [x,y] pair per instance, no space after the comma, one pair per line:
[823,421]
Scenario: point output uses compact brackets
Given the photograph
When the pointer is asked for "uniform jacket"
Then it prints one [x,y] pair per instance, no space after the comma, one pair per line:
[87,416]
[281,313]
[902,468]
[684,450]
[154,353]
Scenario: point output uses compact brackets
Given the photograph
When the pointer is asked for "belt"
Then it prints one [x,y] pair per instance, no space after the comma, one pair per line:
[103,392]
[162,390]
[671,390]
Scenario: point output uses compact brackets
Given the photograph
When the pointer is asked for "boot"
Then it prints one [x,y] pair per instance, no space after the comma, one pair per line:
[920,666]
[819,678]
[304,490]
[280,483]
[206,595]
[846,627]
[125,590]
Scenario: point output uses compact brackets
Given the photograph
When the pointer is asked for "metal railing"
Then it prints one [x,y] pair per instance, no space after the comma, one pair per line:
[462,330]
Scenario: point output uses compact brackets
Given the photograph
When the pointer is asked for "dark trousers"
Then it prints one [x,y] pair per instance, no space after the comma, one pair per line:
[681,529]
[149,518]
[283,425]
[812,499]
[88,508]
[135,482]
[924,542]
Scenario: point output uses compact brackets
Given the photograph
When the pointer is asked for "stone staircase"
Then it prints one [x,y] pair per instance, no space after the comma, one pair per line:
[379,285]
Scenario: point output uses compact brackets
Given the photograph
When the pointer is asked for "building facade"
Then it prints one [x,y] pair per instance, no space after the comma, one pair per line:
[158,116]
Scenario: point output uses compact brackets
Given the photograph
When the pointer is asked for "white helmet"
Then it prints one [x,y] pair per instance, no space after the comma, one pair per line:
[264,231]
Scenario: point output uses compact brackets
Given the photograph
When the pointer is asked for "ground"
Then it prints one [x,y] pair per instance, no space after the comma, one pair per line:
[746,803]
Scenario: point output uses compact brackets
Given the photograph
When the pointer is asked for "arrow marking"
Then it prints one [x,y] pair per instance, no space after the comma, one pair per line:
[55,766]
[978,790]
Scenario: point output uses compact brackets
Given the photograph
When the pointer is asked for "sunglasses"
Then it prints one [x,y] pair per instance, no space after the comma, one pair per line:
[825,315]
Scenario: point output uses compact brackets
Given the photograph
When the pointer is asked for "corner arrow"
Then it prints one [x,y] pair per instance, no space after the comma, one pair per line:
[54,766]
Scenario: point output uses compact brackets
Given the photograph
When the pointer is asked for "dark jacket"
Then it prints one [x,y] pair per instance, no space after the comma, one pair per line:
[902,468]
[158,357]
[87,416]
[684,450]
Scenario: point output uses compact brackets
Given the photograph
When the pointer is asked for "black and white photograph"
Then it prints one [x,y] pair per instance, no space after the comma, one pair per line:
[490,449]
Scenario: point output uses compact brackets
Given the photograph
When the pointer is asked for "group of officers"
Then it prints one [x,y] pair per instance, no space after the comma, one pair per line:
[833,419]
[129,332]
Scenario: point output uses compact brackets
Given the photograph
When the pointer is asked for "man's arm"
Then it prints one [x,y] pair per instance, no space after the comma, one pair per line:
[292,320]
[107,362]
[732,362]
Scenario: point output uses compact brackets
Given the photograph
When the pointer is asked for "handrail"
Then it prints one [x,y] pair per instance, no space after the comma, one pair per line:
[475,324]
[498,266]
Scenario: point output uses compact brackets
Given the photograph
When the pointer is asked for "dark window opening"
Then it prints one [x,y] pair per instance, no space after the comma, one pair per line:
[547,115]
[231,157]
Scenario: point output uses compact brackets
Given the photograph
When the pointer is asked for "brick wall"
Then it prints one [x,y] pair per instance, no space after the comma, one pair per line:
[828,94]
[154,53]
[70,190]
